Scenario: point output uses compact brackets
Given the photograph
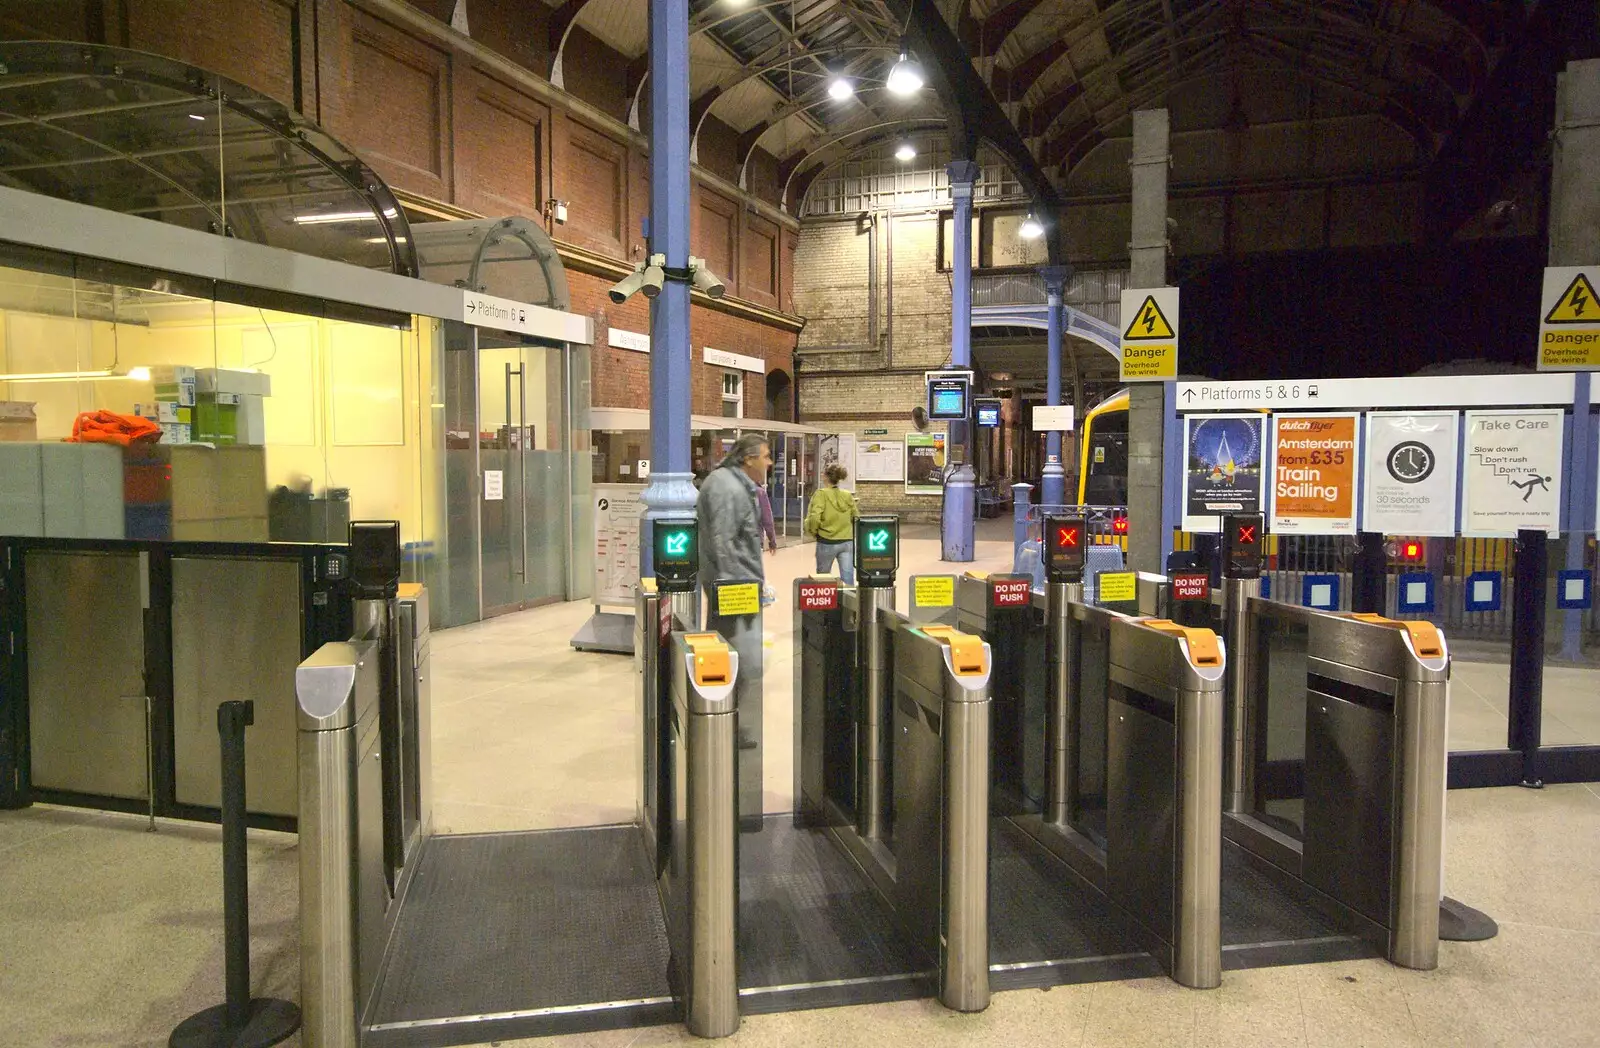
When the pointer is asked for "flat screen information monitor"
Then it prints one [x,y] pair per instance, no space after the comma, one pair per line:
[988,412]
[676,551]
[948,398]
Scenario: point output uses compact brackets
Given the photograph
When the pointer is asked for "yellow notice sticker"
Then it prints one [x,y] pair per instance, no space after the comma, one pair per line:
[934,591]
[1570,348]
[1117,587]
[739,598]
[1143,360]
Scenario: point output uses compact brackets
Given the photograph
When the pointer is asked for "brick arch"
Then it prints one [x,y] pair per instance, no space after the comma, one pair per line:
[780,395]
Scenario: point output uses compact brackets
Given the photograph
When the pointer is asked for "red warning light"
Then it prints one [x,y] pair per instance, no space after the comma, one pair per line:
[1247,534]
[1411,551]
[1066,538]
[1119,525]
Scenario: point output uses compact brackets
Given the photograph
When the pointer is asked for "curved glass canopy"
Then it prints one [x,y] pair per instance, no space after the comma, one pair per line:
[508,257]
[144,135]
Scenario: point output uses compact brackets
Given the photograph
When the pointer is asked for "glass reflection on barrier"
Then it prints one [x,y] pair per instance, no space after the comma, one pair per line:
[1091,681]
[1280,733]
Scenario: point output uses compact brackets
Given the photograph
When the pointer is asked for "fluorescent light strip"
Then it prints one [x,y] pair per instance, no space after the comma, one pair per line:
[134,374]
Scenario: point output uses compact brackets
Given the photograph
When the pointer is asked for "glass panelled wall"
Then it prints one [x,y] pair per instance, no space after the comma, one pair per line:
[147,413]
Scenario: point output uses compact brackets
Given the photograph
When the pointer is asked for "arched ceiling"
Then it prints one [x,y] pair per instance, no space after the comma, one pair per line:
[1063,75]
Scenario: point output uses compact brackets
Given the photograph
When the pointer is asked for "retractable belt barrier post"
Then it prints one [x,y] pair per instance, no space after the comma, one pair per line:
[942,741]
[241,1021]
[1241,582]
[705,674]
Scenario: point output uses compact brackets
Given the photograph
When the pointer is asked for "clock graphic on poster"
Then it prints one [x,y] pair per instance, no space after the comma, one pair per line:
[1410,462]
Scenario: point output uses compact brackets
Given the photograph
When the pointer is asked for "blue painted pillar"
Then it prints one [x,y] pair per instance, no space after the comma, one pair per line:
[960,487]
[1053,486]
[671,491]
[1021,503]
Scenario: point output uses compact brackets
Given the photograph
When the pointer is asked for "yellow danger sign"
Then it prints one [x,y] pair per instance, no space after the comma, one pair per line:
[1576,305]
[1149,323]
[1149,361]
[1569,319]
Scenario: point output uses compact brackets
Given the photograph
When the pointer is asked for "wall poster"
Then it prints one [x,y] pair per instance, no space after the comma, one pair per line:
[1512,471]
[1411,472]
[1314,469]
[881,460]
[925,458]
[617,508]
[1222,468]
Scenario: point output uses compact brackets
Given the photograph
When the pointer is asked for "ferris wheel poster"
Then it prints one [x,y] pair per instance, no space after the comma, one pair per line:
[1222,468]
[1411,472]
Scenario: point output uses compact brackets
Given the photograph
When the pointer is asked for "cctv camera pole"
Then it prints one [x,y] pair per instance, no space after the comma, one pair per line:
[1054,482]
[960,487]
[671,490]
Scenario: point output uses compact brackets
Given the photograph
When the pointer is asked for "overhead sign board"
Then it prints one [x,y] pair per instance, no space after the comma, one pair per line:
[738,361]
[637,341]
[1049,418]
[1445,391]
[504,314]
[1512,471]
[1569,319]
[1149,334]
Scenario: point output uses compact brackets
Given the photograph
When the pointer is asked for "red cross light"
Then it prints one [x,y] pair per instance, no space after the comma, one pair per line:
[1247,533]
[1066,537]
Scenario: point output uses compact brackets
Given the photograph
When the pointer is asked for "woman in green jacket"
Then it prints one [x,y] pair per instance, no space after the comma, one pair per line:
[832,519]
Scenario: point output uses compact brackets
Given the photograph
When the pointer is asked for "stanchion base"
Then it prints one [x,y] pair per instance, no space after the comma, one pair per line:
[271,1021]
[1459,922]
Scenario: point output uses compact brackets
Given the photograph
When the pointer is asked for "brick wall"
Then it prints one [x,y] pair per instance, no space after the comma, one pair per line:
[847,383]
[620,378]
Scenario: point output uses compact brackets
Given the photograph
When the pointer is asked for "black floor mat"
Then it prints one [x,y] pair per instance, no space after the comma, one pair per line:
[511,922]
[1038,911]
[807,914]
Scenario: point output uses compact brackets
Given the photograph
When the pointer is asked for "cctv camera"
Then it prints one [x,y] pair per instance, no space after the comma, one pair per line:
[623,289]
[706,280]
[653,276]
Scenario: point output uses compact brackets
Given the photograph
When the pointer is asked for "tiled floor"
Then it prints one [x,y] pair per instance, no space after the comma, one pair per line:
[110,935]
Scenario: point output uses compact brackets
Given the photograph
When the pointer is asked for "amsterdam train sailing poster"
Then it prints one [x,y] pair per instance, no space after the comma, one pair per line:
[1314,461]
[1222,468]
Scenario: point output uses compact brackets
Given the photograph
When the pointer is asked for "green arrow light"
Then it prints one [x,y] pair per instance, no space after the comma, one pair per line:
[677,544]
[878,541]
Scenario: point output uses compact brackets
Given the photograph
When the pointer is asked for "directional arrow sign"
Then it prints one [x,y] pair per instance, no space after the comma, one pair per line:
[678,545]
[878,541]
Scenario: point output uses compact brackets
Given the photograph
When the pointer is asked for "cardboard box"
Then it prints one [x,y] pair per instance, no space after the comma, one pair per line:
[177,433]
[17,420]
[174,383]
[166,411]
[227,380]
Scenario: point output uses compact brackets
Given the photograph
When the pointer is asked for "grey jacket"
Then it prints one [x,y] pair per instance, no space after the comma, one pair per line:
[730,527]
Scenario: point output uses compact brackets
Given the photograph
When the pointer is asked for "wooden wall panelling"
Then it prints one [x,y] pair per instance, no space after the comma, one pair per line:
[501,147]
[592,178]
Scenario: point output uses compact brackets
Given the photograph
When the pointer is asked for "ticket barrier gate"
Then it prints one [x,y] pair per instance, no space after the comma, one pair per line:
[512,934]
[892,764]
[1338,766]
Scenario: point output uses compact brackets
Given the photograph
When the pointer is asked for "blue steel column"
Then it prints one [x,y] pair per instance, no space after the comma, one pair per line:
[671,491]
[1053,487]
[960,489]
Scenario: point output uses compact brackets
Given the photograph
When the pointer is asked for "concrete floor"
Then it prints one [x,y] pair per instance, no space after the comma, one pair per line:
[110,935]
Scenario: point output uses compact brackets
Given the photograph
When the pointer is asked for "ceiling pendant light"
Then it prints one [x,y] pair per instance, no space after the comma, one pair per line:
[840,89]
[906,152]
[906,76]
[1030,228]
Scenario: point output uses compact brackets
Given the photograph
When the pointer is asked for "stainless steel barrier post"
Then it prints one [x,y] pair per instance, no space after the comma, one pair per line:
[706,671]
[327,688]
[1197,960]
[1421,754]
[1239,629]
[1064,539]
[872,712]
[964,926]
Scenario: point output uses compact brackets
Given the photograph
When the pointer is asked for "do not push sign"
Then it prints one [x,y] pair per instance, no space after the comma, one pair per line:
[1191,587]
[1011,592]
[819,596]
